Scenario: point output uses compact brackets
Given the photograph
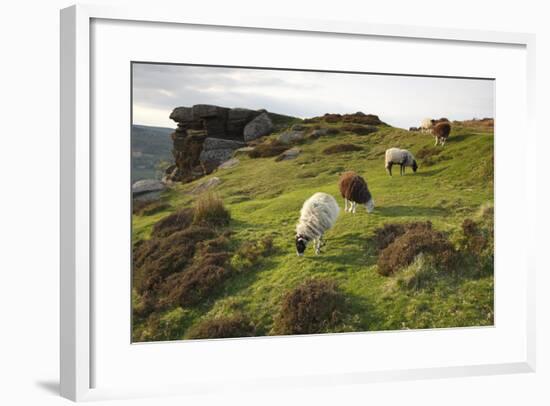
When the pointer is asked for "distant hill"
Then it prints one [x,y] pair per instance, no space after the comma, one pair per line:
[150,146]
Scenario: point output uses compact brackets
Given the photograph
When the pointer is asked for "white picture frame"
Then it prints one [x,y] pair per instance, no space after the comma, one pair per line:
[77,283]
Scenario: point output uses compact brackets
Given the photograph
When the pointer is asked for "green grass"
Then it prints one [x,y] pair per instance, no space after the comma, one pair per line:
[264,198]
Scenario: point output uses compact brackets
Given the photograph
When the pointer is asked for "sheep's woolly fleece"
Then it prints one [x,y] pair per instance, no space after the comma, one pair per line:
[399,156]
[318,214]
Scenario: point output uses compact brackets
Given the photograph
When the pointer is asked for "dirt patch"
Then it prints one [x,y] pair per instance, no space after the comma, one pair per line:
[268,149]
[313,307]
[428,152]
[148,207]
[338,148]
[360,129]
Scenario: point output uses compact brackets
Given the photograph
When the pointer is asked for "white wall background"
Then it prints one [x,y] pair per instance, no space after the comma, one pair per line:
[29,203]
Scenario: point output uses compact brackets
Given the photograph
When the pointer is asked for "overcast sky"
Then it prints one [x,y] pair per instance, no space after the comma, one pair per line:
[401,101]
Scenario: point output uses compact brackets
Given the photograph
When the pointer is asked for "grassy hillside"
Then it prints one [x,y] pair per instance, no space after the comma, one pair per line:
[264,198]
[150,146]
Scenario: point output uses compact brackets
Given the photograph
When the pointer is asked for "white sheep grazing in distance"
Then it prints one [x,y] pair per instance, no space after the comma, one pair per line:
[318,214]
[400,157]
[426,125]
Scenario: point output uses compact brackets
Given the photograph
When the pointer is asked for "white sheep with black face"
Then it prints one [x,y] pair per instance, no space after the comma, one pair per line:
[401,157]
[318,214]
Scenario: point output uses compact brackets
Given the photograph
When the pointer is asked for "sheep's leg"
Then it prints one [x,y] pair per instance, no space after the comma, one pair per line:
[388,168]
[436,140]
[345,204]
[317,246]
[353,206]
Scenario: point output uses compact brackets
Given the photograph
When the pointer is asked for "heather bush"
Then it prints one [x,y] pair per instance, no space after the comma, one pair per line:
[223,327]
[312,307]
[210,210]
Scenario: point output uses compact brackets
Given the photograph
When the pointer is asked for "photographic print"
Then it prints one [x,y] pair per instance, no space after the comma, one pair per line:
[270,202]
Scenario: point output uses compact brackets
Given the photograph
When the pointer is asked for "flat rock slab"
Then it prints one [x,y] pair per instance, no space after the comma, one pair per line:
[147,186]
[231,163]
[243,151]
[206,185]
[291,153]
[291,136]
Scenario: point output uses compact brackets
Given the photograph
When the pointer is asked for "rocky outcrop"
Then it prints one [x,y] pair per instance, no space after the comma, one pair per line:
[259,127]
[216,121]
[207,135]
[147,189]
[218,150]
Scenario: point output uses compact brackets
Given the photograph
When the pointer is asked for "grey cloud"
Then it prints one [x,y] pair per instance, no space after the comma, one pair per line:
[401,101]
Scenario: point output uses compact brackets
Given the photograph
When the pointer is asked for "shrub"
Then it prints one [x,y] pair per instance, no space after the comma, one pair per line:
[337,148]
[333,131]
[198,281]
[177,221]
[332,118]
[387,234]
[477,242]
[268,149]
[362,118]
[360,129]
[157,258]
[210,210]
[402,251]
[312,307]
[223,327]
[148,207]
[418,275]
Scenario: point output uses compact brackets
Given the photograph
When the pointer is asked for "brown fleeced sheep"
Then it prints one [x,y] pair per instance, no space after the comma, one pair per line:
[355,190]
[441,132]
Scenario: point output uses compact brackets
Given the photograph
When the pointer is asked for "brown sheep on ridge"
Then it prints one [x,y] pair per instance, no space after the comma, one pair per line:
[441,132]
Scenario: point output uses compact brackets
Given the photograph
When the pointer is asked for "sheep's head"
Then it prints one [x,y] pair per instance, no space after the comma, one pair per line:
[370,205]
[415,165]
[301,244]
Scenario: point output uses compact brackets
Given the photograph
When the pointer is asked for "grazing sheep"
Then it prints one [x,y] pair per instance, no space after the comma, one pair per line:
[318,214]
[355,190]
[426,125]
[414,129]
[400,157]
[441,132]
